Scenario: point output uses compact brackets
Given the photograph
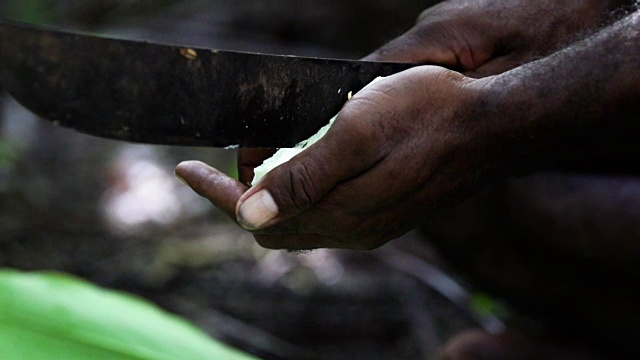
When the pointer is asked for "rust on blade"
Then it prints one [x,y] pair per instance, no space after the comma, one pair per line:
[175,95]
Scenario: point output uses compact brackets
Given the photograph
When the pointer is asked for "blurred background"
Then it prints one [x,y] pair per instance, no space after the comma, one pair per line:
[113,213]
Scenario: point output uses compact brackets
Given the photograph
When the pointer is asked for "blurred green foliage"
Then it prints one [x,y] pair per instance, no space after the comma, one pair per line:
[88,12]
[9,153]
[34,11]
[56,316]
[485,305]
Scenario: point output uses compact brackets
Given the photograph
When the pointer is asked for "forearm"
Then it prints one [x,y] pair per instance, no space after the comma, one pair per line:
[580,103]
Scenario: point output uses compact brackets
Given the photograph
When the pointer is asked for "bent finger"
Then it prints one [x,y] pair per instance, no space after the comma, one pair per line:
[249,159]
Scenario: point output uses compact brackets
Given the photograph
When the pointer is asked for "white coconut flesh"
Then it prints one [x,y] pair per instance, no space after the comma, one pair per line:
[283,155]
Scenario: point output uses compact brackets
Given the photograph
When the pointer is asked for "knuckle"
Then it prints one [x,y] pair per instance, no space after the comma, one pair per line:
[433,12]
[392,51]
[362,118]
[359,131]
[373,131]
[301,191]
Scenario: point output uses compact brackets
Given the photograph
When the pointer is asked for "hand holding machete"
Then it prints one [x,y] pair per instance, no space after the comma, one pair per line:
[447,134]
[366,182]
[578,103]
[428,137]
[488,37]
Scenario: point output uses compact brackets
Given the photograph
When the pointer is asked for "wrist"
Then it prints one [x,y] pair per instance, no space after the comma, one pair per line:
[506,115]
[483,130]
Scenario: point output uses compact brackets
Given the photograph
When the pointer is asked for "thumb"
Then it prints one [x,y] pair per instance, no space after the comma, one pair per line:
[304,180]
[437,44]
[415,46]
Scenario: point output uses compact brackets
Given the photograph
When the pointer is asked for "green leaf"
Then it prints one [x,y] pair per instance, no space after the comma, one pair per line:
[9,153]
[486,305]
[56,316]
[33,11]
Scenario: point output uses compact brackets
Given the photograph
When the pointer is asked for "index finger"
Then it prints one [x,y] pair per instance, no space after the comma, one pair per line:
[222,190]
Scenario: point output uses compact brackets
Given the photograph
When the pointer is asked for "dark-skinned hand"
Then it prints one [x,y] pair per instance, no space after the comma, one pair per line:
[374,172]
[481,38]
[600,86]
[324,201]
[488,37]
[403,147]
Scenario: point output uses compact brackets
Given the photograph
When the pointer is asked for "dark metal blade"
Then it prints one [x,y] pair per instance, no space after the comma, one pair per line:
[151,93]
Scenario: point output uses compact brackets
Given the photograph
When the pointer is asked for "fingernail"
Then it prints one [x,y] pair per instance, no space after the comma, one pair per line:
[181,179]
[257,210]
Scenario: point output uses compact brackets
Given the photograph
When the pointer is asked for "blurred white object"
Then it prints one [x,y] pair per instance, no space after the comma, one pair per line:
[143,192]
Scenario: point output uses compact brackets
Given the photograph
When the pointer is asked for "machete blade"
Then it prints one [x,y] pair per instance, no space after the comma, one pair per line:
[173,95]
